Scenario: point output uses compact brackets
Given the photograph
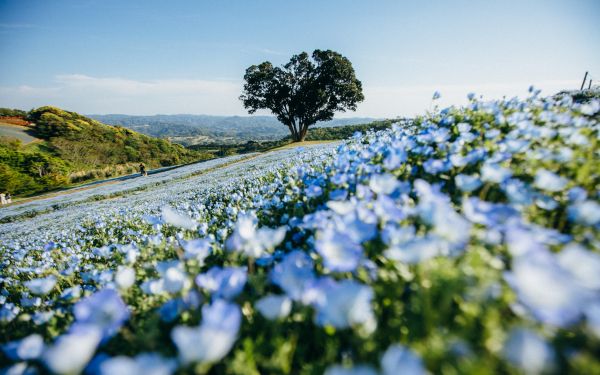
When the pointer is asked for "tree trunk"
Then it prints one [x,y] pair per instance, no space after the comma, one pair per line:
[302,133]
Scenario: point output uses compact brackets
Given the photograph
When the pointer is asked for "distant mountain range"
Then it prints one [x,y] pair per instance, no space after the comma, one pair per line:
[205,129]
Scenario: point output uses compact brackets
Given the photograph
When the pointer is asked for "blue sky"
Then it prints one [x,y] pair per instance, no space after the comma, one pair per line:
[148,56]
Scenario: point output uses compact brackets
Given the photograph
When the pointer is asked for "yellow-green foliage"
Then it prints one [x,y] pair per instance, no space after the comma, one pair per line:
[76,148]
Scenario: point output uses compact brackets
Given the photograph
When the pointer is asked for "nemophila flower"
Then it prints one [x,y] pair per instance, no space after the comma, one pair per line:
[495,173]
[399,359]
[577,194]
[384,183]
[177,219]
[71,352]
[549,181]
[436,95]
[344,304]
[584,265]
[274,306]
[435,166]
[8,311]
[42,285]
[198,249]
[104,310]
[226,282]
[125,277]
[215,336]
[586,212]
[549,292]
[174,278]
[528,351]
[395,159]
[417,250]
[293,273]
[142,364]
[592,317]
[28,348]
[518,192]
[339,251]
[354,370]
[467,183]
[487,213]
[253,241]
[313,191]
[171,309]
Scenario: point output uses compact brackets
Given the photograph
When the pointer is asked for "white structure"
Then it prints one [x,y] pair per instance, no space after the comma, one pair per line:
[3,199]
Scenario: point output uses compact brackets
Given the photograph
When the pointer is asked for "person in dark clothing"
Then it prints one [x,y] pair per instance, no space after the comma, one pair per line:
[143,170]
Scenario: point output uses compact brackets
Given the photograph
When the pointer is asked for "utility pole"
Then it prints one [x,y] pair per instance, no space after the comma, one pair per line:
[590,85]
[583,83]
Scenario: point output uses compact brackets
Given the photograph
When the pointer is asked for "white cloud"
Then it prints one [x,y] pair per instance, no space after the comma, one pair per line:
[86,94]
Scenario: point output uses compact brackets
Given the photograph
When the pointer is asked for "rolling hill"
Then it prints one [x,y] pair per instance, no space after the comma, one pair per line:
[204,129]
[72,148]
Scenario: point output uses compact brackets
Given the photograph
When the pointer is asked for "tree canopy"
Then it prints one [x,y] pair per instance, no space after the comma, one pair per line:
[304,91]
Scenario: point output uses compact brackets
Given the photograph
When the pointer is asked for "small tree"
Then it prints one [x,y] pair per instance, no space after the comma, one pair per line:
[304,90]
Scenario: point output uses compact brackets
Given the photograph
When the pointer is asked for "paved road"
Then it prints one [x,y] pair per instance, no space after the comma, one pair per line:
[15,131]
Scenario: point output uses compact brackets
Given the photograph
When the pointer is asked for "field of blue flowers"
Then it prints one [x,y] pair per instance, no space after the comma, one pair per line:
[466,241]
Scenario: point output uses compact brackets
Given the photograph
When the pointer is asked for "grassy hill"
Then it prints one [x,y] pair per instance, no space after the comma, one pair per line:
[71,148]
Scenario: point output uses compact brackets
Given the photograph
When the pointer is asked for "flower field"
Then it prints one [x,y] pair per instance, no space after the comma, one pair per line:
[466,241]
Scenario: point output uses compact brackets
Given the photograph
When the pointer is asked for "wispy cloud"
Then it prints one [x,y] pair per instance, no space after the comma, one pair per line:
[90,94]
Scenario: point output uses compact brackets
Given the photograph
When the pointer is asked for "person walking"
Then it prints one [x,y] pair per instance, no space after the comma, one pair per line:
[143,170]
[8,198]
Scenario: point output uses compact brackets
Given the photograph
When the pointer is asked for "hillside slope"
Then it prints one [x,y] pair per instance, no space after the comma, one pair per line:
[74,148]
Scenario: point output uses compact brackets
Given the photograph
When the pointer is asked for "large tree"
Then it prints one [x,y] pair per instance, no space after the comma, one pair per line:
[304,90]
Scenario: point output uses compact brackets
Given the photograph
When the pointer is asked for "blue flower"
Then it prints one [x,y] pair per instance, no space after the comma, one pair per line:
[177,219]
[313,191]
[225,282]
[253,242]
[198,249]
[42,285]
[293,273]
[28,348]
[215,336]
[529,352]
[144,363]
[549,292]
[71,352]
[274,307]
[338,250]
[104,309]
[398,359]
[344,304]
[585,212]
[549,181]
[467,183]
